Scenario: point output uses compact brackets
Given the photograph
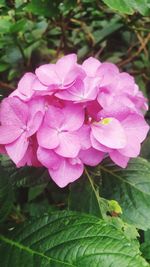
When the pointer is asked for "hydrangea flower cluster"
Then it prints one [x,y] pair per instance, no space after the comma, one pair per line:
[67,115]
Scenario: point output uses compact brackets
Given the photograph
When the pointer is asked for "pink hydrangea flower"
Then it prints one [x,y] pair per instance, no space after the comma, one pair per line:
[18,124]
[67,115]
[59,130]
[61,75]
[62,170]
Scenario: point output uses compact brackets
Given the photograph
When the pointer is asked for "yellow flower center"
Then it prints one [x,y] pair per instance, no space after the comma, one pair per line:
[106,121]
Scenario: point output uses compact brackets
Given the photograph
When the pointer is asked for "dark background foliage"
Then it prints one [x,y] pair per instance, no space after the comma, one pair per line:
[40,31]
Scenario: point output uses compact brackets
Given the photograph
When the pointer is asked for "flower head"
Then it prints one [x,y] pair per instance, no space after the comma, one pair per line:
[68,115]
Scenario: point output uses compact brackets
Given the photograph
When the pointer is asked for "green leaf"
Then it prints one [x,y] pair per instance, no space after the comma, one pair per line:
[2,3]
[38,209]
[69,239]
[35,191]
[112,26]
[18,26]
[129,7]
[82,198]
[6,194]
[43,7]
[145,248]
[131,188]
[12,56]
[142,6]
[145,151]
[3,67]
[120,5]
[5,24]
[26,176]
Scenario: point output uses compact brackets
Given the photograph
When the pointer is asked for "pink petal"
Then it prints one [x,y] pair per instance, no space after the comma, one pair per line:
[54,117]
[119,159]
[136,130]
[98,146]
[9,133]
[69,145]
[81,91]
[65,64]
[108,72]
[30,157]
[18,148]
[111,135]
[35,123]
[139,101]
[73,117]
[91,88]
[132,148]
[35,105]
[13,111]
[47,74]
[91,156]
[116,110]
[68,70]
[90,66]
[125,83]
[126,101]
[138,98]
[66,173]
[48,158]
[38,86]
[73,93]
[44,93]
[135,125]
[71,77]
[60,75]
[105,99]
[47,137]
[19,95]
[25,84]
[84,136]
[68,94]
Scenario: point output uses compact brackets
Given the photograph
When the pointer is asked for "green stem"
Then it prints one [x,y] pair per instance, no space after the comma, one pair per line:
[94,190]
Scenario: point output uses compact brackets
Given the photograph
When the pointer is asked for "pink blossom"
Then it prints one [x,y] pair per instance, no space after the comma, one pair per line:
[62,170]
[17,125]
[91,66]
[30,156]
[59,130]
[61,75]
[29,86]
[121,140]
[81,91]
[68,115]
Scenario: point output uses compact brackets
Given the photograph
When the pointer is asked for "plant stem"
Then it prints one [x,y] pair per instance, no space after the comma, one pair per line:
[94,190]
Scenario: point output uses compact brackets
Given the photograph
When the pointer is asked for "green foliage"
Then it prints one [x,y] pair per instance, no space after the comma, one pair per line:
[26,176]
[6,195]
[131,188]
[53,241]
[33,32]
[145,152]
[83,199]
[39,31]
[129,7]
[145,246]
